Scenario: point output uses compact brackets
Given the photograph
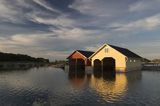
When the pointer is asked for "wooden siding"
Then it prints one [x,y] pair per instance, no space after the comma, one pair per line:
[78,55]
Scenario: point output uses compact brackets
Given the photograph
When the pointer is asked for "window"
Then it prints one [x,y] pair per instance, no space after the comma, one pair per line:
[106,50]
[130,60]
[134,60]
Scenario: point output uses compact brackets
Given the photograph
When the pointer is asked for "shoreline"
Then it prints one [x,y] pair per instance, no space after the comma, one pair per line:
[20,65]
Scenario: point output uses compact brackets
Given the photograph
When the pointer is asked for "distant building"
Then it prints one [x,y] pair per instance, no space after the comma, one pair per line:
[121,59]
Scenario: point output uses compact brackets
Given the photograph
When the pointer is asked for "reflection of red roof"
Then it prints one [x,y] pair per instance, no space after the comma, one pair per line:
[77,82]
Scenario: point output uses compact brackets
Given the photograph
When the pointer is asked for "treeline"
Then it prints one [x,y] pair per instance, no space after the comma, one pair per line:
[9,57]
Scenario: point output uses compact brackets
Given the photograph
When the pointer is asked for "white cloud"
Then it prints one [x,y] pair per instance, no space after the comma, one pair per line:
[30,44]
[7,13]
[45,5]
[46,44]
[59,21]
[96,8]
[74,33]
[13,11]
[84,6]
[148,23]
[143,5]
[24,39]
[138,6]
[67,28]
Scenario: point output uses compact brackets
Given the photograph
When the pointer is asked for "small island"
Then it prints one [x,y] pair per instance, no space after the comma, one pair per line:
[10,61]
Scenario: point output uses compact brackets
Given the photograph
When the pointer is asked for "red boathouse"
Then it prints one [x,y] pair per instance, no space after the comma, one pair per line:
[79,59]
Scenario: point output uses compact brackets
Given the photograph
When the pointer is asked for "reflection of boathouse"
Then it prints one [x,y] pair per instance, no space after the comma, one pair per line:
[107,57]
[110,87]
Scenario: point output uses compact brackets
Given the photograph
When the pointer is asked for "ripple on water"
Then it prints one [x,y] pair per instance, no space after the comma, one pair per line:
[50,86]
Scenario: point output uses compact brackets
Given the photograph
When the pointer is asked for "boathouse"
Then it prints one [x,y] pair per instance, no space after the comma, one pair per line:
[109,57]
[79,59]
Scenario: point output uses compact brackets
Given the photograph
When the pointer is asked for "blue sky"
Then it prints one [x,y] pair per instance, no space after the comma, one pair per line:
[54,28]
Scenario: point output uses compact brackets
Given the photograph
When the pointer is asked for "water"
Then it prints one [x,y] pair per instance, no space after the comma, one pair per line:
[52,86]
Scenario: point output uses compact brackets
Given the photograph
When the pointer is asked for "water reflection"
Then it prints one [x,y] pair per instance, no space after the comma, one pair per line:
[110,76]
[110,86]
[19,65]
[76,77]
[52,86]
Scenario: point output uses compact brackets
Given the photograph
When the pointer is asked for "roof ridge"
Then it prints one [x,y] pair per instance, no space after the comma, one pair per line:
[84,50]
[84,53]
[118,47]
[125,51]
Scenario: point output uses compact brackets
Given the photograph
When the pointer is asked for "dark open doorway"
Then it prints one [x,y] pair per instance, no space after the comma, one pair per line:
[80,64]
[72,64]
[76,64]
[97,68]
[108,64]
[97,65]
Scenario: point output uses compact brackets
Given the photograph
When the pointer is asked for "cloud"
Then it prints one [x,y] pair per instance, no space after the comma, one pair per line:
[7,13]
[77,34]
[54,29]
[23,39]
[59,21]
[144,5]
[13,11]
[100,8]
[47,44]
[45,5]
[149,23]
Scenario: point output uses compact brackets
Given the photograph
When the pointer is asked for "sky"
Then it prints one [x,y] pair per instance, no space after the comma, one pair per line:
[55,28]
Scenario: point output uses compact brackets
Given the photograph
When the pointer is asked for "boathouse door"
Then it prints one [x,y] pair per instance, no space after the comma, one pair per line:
[97,65]
[108,64]
[76,64]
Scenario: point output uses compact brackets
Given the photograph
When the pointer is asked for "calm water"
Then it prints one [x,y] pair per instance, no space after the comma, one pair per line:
[51,87]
